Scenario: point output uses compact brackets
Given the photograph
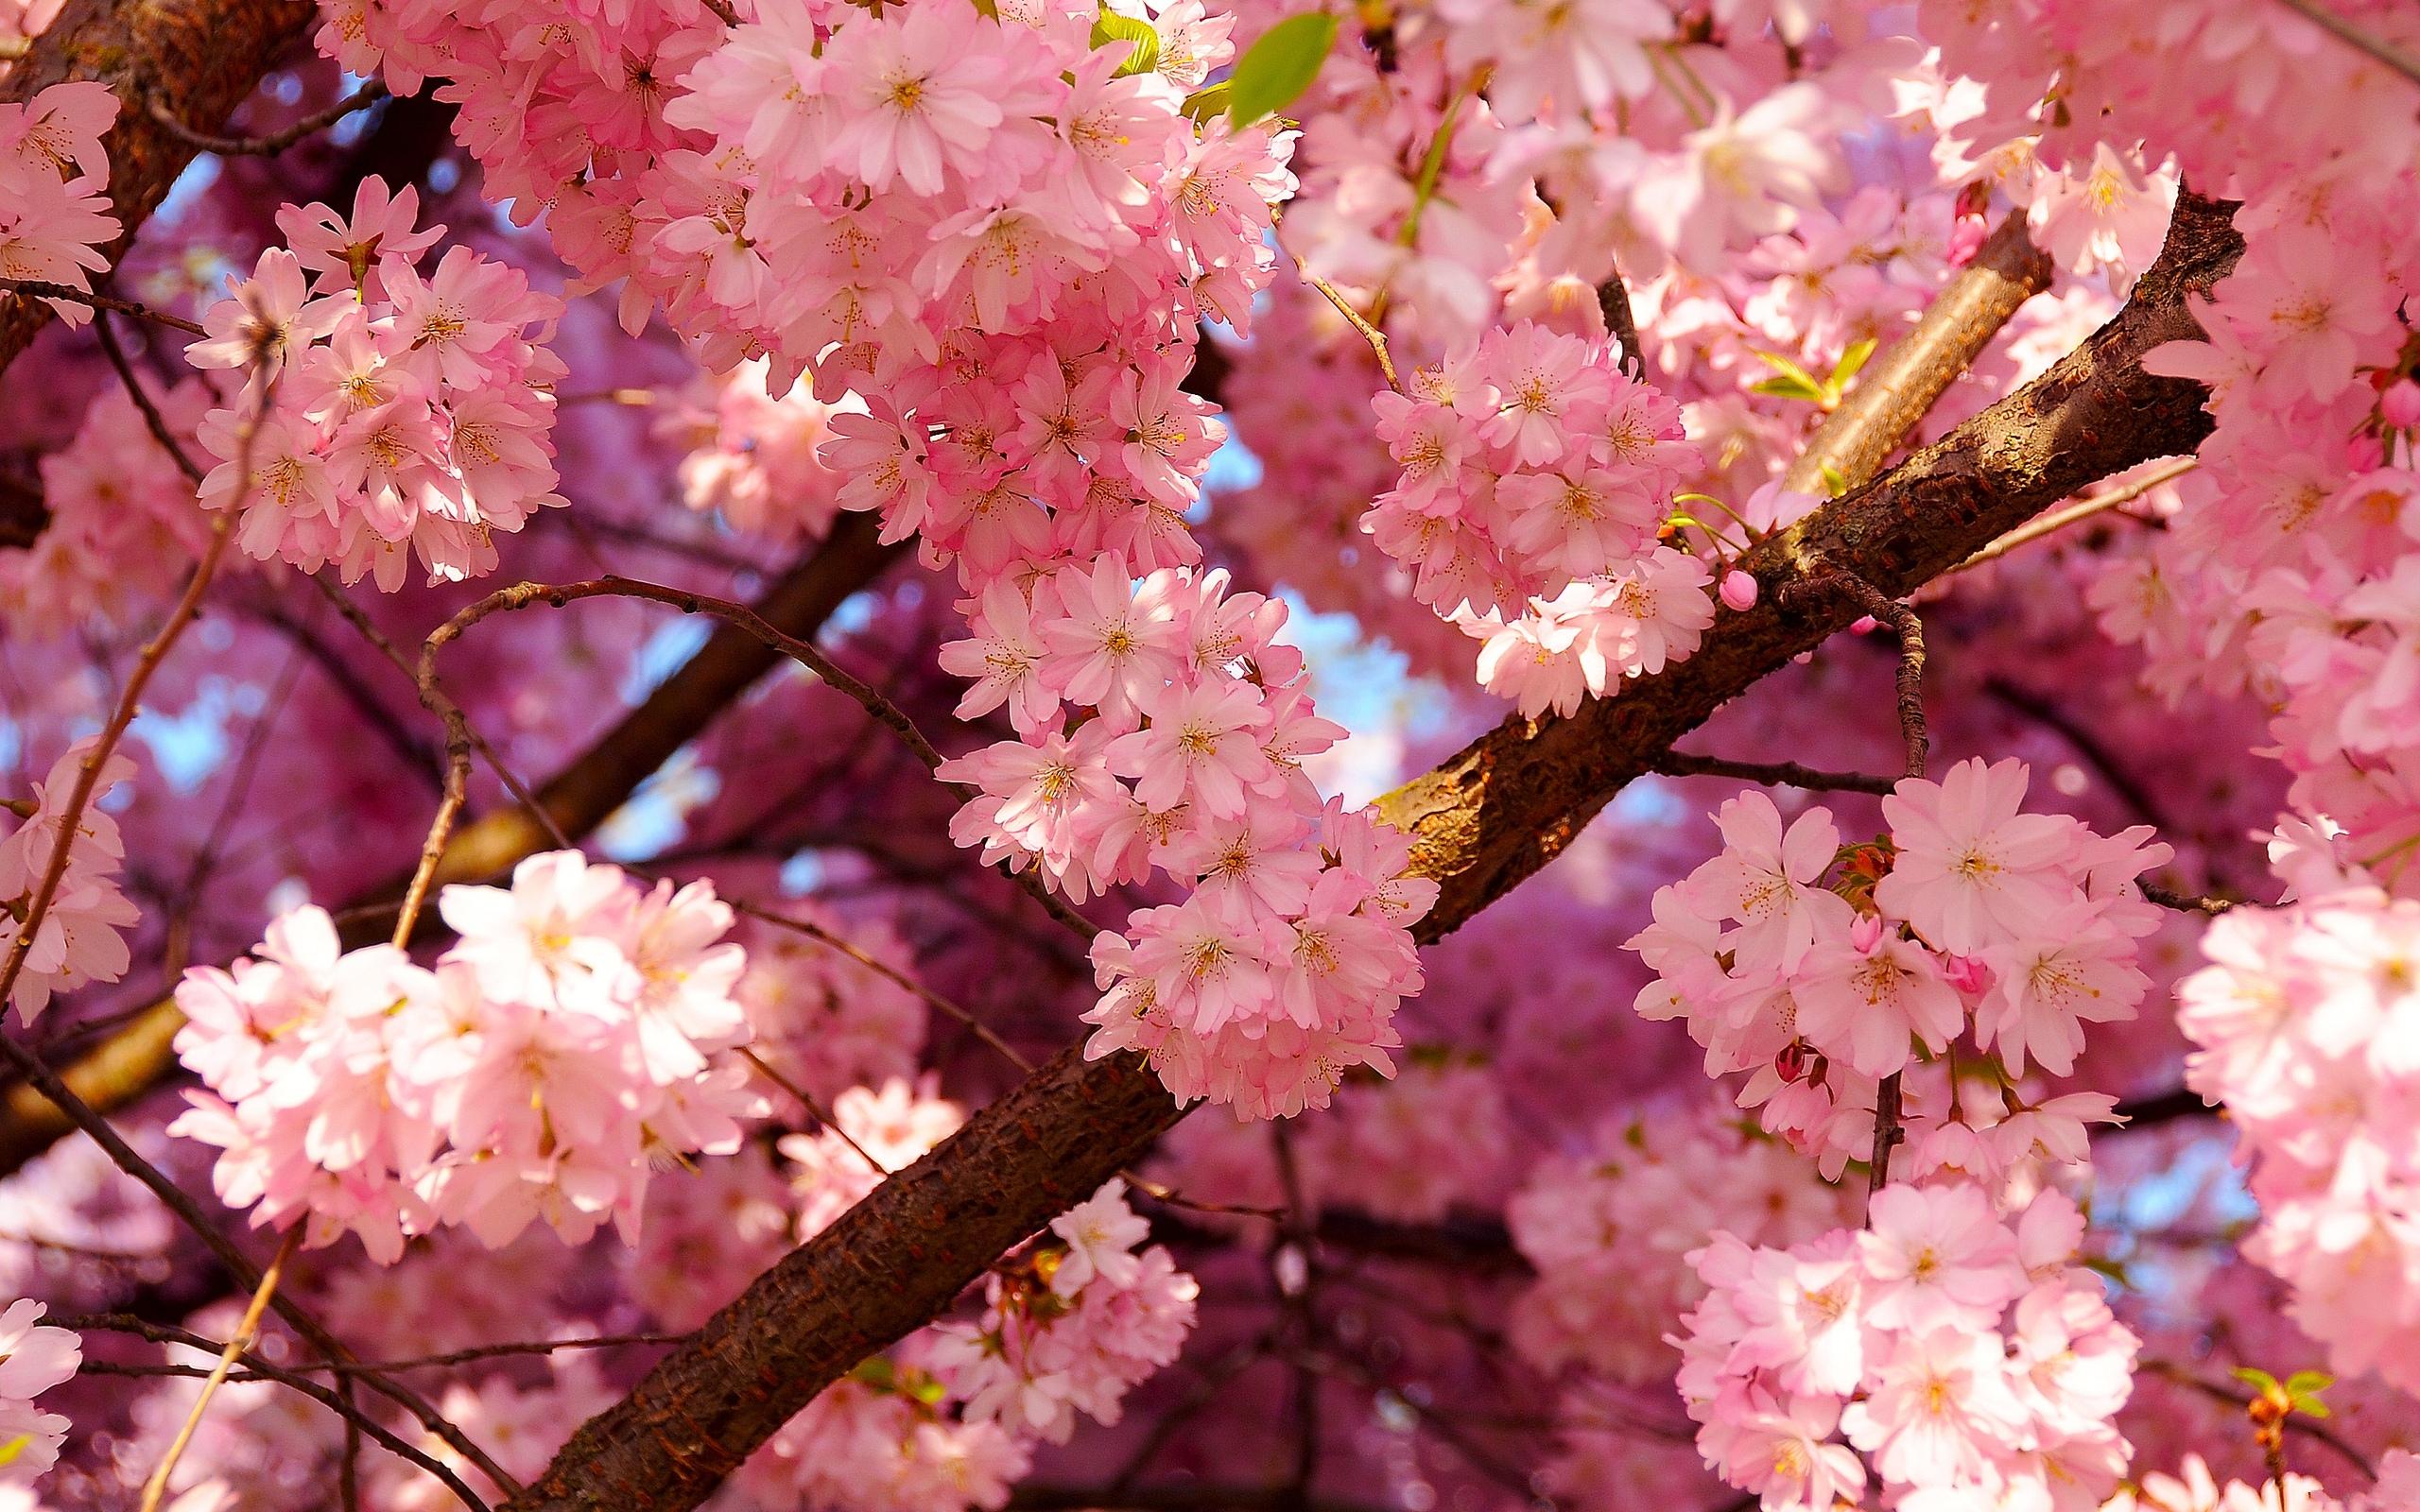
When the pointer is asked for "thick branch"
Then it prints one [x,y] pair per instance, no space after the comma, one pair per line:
[198,58]
[1900,386]
[138,1057]
[1483,823]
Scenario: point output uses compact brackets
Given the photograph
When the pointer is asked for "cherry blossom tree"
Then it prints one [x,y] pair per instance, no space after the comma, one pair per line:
[782,754]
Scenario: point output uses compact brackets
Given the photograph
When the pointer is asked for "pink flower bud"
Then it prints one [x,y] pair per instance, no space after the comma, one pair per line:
[1739,589]
[2400,405]
[1793,1063]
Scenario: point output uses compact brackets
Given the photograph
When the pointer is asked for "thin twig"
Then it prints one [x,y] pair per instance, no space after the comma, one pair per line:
[1910,631]
[153,419]
[1354,318]
[34,288]
[256,1368]
[886,972]
[1772,774]
[2058,519]
[806,1100]
[1914,736]
[557,595]
[275,141]
[237,1343]
[2354,37]
[88,772]
[2316,1432]
[2184,902]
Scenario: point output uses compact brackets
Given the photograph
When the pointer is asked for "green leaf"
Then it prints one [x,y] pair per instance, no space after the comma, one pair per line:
[1110,27]
[1835,481]
[1852,363]
[2308,1383]
[1798,386]
[1789,370]
[1208,101]
[2312,1407]
[1275,71]
[2258,1379]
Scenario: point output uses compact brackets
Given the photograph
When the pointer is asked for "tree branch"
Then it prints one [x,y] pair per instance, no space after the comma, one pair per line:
[1900,387]
[198,59]
[1481,823]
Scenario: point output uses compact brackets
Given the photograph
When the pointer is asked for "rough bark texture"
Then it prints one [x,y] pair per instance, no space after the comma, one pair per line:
[138,1056]
[197,58]
[1898,387]
[1484,821]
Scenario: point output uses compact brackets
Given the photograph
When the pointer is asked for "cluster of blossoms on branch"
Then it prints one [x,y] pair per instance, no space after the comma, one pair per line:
[1955,1346]
[383,414]
[1820,970]
[948,1417]
[578,1034]
[1538,481]
[83,938]
[1283,969]
[54,181]
[2308,1021]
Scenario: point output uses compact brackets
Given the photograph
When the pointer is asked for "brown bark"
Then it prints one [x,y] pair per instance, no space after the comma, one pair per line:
[138,1056]
[198,58]
[1483,821]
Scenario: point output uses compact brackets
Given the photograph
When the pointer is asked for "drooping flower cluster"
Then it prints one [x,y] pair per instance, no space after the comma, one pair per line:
[82,935]
[1971,914]
[33,1359]
[1531,463]
[1960,1352]
[2309,1023]
[1283,969]
[1084,1322]
[577,1033]
[382,413]
[54,176]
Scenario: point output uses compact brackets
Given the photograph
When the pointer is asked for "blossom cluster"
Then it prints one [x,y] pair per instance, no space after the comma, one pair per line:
[1959,1351]
[33,1359]
[82,934]
[384,413]
[755,457]
[577,1034]
[2194,1489]
[2309,1027]
[947,1418]
[1284,967]
[1531,463]
[54,181]
[1084,1322]
[123,528]
[1609,1232]
[1970,913]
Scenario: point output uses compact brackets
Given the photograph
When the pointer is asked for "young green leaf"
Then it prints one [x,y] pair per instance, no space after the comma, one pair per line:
[1852,363]
[1275,71]
[1797,386]
[1207,101]
[1110,27]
